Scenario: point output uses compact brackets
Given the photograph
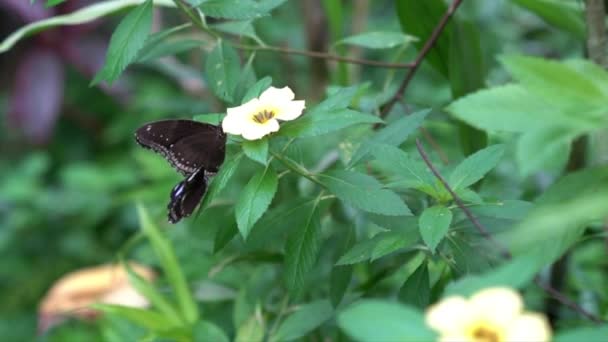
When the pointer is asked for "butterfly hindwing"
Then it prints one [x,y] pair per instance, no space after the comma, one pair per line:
[195,149]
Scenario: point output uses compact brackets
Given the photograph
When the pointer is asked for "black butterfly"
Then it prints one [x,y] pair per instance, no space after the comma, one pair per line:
[195,149]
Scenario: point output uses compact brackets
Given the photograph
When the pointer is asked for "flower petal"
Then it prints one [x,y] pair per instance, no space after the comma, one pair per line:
[255,131]
[232,124]
[450,316]
[531,327]
[276,95]
[500,305]
[290,110]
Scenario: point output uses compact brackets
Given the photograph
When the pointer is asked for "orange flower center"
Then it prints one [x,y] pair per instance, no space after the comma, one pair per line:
[483,334]
[263,116]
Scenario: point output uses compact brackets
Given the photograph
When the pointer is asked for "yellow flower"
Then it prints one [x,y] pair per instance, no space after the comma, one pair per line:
[491,315]
[258,117]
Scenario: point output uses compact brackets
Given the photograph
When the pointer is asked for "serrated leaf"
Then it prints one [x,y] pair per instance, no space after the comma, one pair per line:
[400,163]
[378,40]
[416,290]
[364,192]
[125,43]
[301,251]
[152,320]
[164,251]
[252,330]
[512,108]
[434,223]
[595,333]
[222,71]
[242,28]
[378,246]
[220,180]
[257,89]
[559,13]
[239,9]
[256,150]
[211,118]
[419,18]
[319,123]
[157,45]
[475,167]
[207,331]
[255,199]
[543,149]
[555,82]
[394,134]
[375,320]
[307,318]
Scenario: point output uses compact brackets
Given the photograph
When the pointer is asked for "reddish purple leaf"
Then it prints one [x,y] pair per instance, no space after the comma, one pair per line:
[37,95]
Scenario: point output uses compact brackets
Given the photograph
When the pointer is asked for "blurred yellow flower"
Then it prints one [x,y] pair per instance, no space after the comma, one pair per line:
[259,117]
[73,293]
[491,315]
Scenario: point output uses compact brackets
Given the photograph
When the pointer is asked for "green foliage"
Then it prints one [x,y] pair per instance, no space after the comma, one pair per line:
[398,323]
[332,227]
[126,42]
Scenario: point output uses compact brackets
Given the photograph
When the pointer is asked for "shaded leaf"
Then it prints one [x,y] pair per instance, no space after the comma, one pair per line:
[207,331]
[255,199]
[416,290]
[363,192]
[127,40]
[222,70]
[220,180]
[561,14]
[307,318]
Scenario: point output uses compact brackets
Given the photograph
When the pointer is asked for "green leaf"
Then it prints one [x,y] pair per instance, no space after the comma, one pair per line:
[399,163]
[541,149]
[83,15]
[341,275]
[149,319]
[220,180]
[321,122]
[394,134]
[207,331]
[364,192]
[559,13]
[164,251]
[242,28]
[595,333]
[514,273]
[238,9]
[51,3]
[252,330]
[434,224]
[473,168]
[256,150]
[211,118]
[255,199]
[222,70]
[125,43]
[381,244]
[419,18]
[307,318]
[301,251]
[257,89]
[512,108]
[379,40]
[148,290]
[159,45]
[375,320]
[557,83]
[338,100]
[416,290]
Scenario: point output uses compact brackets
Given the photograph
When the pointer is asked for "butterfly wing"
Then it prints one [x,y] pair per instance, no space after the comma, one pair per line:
[187,145]
[186,196]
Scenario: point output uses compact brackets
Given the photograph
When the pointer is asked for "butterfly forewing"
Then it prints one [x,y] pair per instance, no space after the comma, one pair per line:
[187,145]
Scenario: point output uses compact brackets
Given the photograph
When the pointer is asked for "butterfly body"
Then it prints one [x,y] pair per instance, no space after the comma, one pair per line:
[194,149]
